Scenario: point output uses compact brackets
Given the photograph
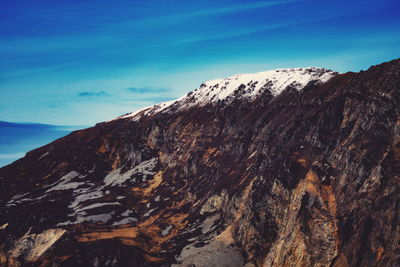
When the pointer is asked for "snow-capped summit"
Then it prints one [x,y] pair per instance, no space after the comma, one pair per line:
[241,86]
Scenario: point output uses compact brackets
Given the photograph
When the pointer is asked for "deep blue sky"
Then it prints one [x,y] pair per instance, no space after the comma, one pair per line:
[73,62]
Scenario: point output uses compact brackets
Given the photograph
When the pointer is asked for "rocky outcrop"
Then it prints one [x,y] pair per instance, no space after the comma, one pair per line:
[290,177]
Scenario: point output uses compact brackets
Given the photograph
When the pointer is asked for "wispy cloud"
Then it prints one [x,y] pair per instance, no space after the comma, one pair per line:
[147,89]
[179,17]
[247,31]
[234,33]
[93,94]
[40,69]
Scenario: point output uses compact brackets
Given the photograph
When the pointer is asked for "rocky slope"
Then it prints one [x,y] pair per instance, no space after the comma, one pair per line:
[296,167]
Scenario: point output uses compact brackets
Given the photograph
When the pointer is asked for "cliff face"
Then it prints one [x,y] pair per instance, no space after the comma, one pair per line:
[282,177]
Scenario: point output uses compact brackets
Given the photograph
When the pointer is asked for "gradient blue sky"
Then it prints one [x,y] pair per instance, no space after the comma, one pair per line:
[80,62]
[18,138]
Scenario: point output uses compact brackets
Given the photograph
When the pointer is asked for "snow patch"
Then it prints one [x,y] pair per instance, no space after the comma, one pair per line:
[166,231]
[84,197]
[147,214]
[18,199]
[81,218]
[148,111]
[98,218]
[65,182]
[126,221]
[117,178]
[126,213]
[97,205]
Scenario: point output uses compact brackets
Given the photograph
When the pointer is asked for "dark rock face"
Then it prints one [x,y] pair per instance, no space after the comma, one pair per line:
[306,178]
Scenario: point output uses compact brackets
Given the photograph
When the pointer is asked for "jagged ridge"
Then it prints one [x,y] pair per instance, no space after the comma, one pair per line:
[240,86]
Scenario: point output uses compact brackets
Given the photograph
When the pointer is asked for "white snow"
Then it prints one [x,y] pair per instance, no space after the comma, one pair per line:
[82,217]
[98,218]
[147,111]
[166,231]
[147,214]
[64,223]
[126,221]
[97,205]
[246,86]
[17,199]
[117,178]
[253,84]
[65,182]
[84,197]
[126,213]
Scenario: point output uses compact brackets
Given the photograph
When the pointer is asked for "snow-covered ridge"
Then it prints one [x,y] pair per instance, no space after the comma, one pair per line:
[240,86]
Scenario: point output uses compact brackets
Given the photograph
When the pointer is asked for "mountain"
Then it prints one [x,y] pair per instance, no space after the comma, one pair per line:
[292,167]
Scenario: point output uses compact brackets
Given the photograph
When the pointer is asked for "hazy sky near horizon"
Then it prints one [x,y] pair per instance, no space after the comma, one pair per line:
[81,62]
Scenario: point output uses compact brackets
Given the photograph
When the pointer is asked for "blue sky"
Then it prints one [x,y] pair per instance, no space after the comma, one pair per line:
[80,62]
[18,138]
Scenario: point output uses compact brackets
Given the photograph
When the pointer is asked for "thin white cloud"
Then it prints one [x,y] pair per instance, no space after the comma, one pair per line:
[244,32]
[179,17]
[234,33]
[40,69]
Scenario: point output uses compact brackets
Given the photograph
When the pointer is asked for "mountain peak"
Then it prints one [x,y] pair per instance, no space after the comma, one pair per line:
[241,86]
[273,80]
